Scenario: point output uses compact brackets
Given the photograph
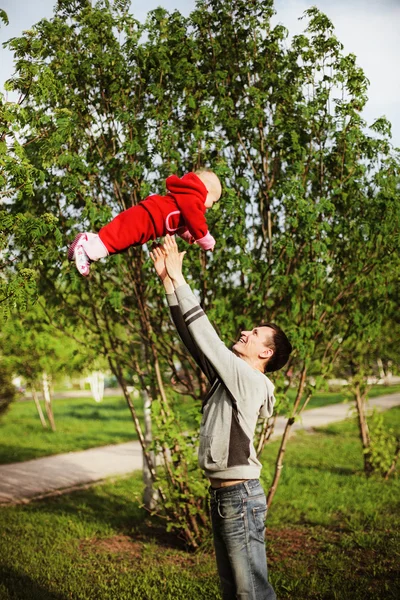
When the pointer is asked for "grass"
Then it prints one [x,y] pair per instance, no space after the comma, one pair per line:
[82,424]
[343,533]
[326,398]
[331,534]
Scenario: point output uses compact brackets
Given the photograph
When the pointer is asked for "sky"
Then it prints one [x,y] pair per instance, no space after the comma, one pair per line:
[368,28]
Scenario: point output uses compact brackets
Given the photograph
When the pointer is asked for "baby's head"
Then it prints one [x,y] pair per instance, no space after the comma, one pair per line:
[212,184]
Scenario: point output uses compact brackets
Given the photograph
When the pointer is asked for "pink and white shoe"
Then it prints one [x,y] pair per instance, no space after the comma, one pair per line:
[78,254]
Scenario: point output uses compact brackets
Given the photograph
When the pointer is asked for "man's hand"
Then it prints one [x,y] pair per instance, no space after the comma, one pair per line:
[173,261]
[157,255]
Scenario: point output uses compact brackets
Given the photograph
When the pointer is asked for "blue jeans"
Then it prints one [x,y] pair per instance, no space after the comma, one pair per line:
[238,520]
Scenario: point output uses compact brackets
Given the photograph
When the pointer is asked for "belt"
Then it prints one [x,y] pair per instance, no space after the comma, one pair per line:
[220,483]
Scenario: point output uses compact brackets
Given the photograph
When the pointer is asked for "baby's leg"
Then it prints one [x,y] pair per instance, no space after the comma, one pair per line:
[85,248]
[93,246]
[132,227]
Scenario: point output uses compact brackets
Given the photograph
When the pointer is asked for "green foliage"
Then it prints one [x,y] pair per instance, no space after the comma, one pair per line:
[4,17]
[374,329]
[22,234]
[382,448]
[31,345]
[110,107]
[187,487]
[7,390]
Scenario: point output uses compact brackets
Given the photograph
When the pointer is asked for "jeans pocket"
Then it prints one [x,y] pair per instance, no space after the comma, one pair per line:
[259,514]
[230,508]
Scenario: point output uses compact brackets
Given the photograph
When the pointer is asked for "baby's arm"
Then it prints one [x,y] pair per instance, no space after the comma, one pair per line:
[190,194]
[187,236]
[193,213]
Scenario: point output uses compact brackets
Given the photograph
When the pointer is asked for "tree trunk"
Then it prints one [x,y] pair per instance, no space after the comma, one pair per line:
[38,407]
[266,432]
[363,427]
[96,382]
[150,495]
[382,374]
[392,468]
[279,461]
[285,437]
[47,400]
[147,457]
[389,374]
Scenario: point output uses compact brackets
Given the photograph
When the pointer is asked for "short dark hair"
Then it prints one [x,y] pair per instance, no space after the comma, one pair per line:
[281,347]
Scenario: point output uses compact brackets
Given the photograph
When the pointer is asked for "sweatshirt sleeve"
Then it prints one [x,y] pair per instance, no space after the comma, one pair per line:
[187,236]
[240,379]
[184,334]
[190,194]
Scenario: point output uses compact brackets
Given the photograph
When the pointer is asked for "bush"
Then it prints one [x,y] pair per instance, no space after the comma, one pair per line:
[7,390]
[382,449]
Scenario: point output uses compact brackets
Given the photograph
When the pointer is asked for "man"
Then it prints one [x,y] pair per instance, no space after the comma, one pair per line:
[239,393]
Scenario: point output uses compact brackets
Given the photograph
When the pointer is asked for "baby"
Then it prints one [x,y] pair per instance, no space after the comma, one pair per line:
[180,212]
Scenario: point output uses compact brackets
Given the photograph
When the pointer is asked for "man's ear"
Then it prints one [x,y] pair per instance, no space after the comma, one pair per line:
[266,353]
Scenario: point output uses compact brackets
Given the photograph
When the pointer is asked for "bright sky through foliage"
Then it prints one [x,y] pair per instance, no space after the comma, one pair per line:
[368,29]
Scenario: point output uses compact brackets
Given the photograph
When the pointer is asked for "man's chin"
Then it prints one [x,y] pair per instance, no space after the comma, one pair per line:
[236,348]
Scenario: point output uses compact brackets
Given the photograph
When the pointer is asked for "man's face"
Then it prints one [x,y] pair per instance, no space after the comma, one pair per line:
[253,345]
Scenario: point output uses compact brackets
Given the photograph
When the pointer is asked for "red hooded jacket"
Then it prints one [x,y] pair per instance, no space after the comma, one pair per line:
[180,212]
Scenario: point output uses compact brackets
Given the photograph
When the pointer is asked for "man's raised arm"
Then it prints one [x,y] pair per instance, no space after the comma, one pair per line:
[232,370]
[158,258]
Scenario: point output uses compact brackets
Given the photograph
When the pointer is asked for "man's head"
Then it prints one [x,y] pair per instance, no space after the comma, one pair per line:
[212,184]
[266,347]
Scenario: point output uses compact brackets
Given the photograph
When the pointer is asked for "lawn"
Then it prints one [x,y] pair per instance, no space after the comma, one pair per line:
[82,423]
[331,534]
[325,398]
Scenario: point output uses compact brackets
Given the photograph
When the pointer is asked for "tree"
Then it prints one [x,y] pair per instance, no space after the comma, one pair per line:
[18,230]
[7,390]
[319,189]
[32,349]
[108,114]
[372,326]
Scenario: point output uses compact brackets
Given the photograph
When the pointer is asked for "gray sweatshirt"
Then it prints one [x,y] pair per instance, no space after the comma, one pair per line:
[238,395]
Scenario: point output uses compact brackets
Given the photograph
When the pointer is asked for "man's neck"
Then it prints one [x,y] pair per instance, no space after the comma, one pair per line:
[256,365]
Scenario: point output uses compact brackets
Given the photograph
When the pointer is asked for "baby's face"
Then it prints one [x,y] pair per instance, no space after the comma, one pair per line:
[213,186]
[211,198]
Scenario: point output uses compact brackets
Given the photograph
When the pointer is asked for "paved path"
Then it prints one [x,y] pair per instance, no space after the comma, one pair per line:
[21,482]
